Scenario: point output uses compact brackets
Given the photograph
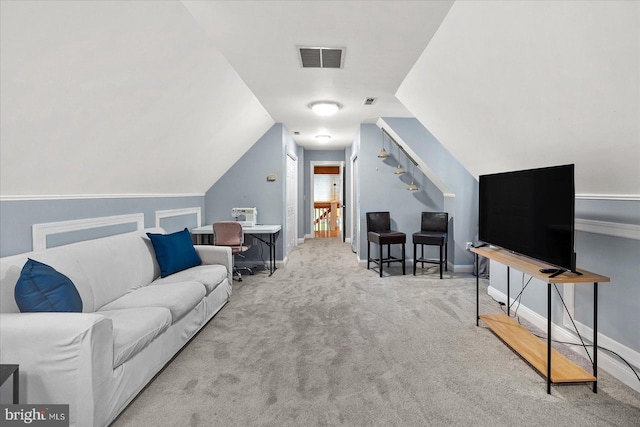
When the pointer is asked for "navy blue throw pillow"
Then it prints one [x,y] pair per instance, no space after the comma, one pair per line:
[41,288]
[174,252]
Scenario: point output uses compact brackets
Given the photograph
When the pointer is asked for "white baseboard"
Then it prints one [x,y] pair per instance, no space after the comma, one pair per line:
[301,241]
[460,268]
[606,362]
[308,236]
[456,268]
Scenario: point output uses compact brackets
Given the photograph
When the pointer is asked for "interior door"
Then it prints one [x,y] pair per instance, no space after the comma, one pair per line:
[291,234]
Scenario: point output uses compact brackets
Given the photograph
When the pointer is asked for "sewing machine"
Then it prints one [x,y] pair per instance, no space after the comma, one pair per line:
[245,216]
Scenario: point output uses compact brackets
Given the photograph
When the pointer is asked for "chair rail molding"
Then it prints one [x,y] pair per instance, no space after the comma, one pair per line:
[39,232]
[615,229]
[22,197]
[585,196]
[179,212]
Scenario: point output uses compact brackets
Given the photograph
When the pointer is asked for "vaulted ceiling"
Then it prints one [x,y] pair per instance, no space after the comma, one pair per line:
[163,97]
[382,41]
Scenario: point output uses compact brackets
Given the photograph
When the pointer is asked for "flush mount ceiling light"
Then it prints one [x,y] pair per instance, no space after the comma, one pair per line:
[323,138]
[325,108]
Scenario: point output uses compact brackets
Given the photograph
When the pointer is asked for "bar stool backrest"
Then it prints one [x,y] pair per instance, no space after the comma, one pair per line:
[378,221]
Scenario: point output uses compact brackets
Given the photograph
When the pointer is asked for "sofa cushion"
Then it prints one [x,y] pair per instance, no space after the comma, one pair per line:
[134,329]
[209,275]
[41,288]
[174,252]
[179,298]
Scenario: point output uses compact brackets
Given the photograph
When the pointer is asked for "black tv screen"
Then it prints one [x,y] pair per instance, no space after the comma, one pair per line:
[530,212]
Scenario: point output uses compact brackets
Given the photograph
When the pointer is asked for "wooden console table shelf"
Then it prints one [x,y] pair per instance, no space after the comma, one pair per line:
[534,350]
[550,363]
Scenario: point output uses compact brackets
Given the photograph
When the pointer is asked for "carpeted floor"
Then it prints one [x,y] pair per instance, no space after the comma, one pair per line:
[325,342]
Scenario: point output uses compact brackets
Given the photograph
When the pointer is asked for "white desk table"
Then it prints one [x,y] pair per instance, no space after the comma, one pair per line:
[256,231]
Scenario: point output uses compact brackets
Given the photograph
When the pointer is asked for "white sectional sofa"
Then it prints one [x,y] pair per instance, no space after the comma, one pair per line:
[132,322]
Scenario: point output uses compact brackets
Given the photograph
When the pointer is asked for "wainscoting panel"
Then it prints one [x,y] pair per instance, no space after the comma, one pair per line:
[40,232]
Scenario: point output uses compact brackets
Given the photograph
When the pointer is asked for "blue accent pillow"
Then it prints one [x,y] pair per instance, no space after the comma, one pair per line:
[41,288]
[174,252]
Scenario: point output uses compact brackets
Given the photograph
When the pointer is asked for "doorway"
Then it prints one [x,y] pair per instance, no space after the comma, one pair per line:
[327,199]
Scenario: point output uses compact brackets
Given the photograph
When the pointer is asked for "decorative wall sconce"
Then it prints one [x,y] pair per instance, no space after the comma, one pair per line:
[383,154]
[399,170]
[412,186]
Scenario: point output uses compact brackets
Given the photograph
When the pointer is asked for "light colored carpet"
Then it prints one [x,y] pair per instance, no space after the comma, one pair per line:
[326,342]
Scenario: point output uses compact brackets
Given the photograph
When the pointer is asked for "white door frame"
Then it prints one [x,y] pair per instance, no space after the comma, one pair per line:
[293,158]
[355,206]
[312,165]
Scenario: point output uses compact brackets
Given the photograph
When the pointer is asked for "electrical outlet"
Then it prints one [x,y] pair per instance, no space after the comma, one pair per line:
[469,244]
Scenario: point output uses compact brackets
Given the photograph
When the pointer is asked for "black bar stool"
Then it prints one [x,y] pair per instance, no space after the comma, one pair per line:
[434,231]
[379,232]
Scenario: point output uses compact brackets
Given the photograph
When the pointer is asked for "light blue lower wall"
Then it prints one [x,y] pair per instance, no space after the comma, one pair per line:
[463,208]
[610,256]
[380,187]
[17,217]
[245,185]
[381,190]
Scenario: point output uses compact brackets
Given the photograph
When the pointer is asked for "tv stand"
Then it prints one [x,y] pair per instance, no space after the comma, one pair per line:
[523,342]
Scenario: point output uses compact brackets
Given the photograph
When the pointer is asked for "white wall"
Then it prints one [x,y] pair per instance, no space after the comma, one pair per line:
[117,98]
[516,85]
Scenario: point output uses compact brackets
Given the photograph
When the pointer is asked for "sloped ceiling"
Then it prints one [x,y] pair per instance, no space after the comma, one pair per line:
[383,39]
[517,85]
[117,98]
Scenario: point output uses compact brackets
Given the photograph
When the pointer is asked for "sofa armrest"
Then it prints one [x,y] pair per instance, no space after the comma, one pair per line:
[64,358]
[216,255]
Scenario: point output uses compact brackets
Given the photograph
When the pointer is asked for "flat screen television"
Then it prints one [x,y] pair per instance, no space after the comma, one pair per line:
[531,212]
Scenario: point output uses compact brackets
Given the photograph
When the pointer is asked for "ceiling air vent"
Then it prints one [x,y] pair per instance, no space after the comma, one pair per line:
[369,101]
[321,57]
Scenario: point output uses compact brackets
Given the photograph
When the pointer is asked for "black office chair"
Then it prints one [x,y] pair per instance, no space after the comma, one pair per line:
[434,231]
[379,232]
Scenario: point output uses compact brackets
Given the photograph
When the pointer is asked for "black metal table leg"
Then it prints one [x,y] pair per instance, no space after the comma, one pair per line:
[508,292]
[477,291]
[548,338]
[595,336]
[272,247]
